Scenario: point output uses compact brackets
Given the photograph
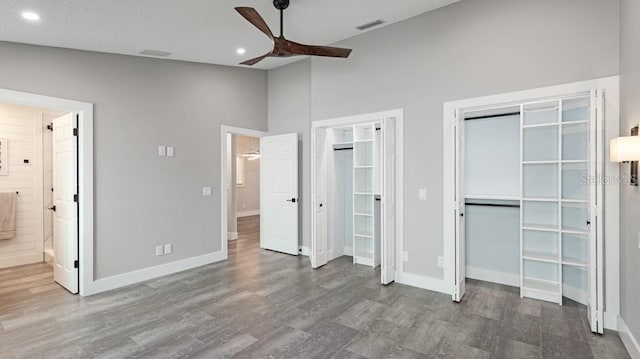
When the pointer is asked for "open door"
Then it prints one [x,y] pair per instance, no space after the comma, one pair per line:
[595,305]
[279,193]
[388,208]
[65,205]
[460,240]
[319,241]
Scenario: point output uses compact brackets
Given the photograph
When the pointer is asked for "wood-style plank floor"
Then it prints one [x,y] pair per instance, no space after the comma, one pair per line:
[261,304]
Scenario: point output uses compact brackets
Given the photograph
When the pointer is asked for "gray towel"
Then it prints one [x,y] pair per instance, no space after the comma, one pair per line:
[8,215]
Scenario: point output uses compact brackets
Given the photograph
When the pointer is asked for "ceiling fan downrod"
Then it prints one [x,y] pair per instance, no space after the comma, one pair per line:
[281,5]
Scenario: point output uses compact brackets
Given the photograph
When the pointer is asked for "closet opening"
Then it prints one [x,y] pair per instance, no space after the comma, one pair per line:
[354,191]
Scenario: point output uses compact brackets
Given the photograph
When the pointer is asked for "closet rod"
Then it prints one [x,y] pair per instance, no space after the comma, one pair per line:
[493,205]
[343,149]
[491,116]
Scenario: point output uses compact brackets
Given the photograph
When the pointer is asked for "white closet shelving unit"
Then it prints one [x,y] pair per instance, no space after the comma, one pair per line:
[366,249]
[554,203]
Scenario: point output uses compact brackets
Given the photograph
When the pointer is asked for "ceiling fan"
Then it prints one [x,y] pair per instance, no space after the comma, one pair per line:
[281,46]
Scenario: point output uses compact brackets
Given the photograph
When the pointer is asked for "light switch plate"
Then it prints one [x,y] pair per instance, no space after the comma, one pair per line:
[162,151]
[170,151]
[206,191]
[159,250]
[167,248]
[405,256]
[422,194]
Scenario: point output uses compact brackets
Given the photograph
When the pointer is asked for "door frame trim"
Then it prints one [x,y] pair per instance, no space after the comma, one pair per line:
[367,118]
[610,208]
[224,131]
[86,282]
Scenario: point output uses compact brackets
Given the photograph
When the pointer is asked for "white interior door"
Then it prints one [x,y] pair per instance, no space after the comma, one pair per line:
[596,262]
[65,185]
[460,270]
[279,193]
[319,240]
[388,207]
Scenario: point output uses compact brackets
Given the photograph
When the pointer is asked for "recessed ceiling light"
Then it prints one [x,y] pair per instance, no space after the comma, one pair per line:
[30,15]
[241,51]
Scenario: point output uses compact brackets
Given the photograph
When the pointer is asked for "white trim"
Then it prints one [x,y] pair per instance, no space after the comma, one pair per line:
[398,114]
[348,251]
[575,294]
[416,280]
[487,275]
[232,236]
[145,274]
[611,205]
[224,130]
[610,321]
[628,339]
[85,171]
[303,250]
[255,212]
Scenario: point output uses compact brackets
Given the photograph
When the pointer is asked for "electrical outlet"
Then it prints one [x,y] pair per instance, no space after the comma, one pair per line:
[170,151]
[440,261]
[206,191]
[167,248]
[405,256]
[422,194]
[159,250]
[162,151]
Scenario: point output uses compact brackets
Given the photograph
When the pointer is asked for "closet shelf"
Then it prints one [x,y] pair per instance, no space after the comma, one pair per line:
[363,235]
[365,167]
[550,124]
[363,214]
[363,141]
[540,162]
[363,193]
[570,230]
[364,254]
[532,199]
[494,198]
[540,227]
[540,289]
[574,161]
[568,123]
[574,262]
[540,257]
[574,200]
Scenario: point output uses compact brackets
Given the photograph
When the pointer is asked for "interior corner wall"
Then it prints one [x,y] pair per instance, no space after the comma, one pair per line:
[629,195]
[467,49]
[141,199]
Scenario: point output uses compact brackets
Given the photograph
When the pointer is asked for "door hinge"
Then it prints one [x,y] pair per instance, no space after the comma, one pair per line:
[75,198]
[76,264]
[50,127]
[75,132]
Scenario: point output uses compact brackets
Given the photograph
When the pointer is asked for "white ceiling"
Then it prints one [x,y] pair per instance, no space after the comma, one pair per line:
[207,31]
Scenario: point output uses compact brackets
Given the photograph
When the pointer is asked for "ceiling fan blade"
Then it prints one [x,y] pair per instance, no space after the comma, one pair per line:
[312,50]
[256,60]
[253,17]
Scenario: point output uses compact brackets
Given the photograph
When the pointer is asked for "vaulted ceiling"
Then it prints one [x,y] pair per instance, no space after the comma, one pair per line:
[207,31]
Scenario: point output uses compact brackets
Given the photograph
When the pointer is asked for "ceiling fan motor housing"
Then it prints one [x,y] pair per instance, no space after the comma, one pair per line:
[281,4]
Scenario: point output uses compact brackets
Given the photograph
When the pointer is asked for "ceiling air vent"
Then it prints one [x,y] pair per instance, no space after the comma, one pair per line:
[156,53]
[370,25]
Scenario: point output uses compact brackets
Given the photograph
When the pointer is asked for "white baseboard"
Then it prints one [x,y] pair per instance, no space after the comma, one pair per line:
[248,213]
[416,280]
[21,259]
[121,280]
[232,236]
[628,339]
[304,251]
[576,294]
[348,251]
[493,276]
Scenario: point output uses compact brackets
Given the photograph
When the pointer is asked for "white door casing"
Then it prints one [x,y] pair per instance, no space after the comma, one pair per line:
[595,280]
[279,193]
[65,223]
[388,208]
[319,242]
[460,257]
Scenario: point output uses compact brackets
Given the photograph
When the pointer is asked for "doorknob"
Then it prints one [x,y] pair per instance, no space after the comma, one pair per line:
[53,208]
[292,200]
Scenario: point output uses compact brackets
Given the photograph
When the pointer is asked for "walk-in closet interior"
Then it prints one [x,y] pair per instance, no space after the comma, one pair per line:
[353,174]
[528,196]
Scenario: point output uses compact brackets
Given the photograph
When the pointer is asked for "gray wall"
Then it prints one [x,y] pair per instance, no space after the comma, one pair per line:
[141,199]
[629,196]
[468,49]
